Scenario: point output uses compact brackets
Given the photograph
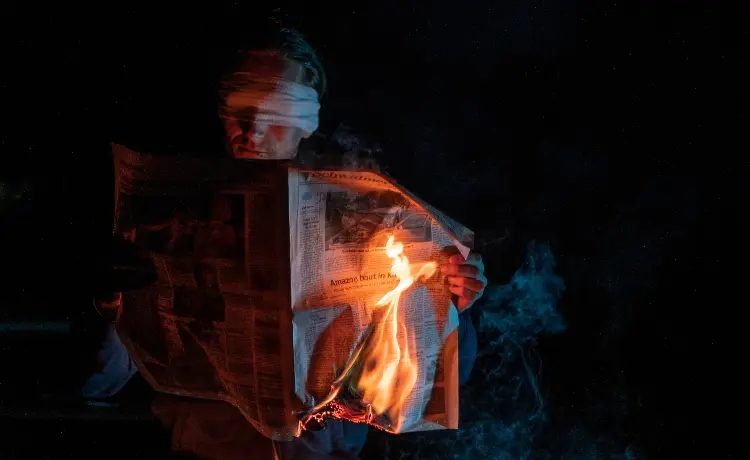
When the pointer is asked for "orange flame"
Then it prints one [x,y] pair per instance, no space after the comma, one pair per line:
[390,368]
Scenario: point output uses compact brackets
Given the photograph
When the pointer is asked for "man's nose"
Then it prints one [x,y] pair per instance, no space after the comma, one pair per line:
[258,131]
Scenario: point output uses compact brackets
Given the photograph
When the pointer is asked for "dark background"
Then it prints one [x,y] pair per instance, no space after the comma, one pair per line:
[606,129]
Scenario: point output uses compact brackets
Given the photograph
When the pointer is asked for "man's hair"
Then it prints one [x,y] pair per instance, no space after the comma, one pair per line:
[291,44]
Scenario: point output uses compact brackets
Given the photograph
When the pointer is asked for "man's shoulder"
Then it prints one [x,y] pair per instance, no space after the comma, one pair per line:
[201,138]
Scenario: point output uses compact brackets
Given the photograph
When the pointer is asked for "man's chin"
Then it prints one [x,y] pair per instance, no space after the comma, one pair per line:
[247,154]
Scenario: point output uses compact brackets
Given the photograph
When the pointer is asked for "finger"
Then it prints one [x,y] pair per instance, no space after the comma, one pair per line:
[476,260]
[475,285]
[464,297]
[457,259]
[469,271]
[463,293]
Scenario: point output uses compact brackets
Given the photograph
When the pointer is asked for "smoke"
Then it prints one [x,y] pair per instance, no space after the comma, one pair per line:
[526,307]
[503,411]
[343,149]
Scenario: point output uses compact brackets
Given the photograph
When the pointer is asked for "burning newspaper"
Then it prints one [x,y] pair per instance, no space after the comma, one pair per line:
[347,317]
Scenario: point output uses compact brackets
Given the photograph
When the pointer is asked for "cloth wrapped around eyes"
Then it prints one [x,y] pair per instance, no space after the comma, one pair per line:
[246,96]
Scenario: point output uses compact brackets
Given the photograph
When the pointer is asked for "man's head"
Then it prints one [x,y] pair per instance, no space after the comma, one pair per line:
[269,102]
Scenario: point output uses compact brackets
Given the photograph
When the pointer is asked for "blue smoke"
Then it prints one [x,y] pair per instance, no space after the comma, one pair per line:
[502,408]
[526,307]
[503,412]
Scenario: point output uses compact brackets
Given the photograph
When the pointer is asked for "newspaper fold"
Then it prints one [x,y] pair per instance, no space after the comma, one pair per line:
[242,313]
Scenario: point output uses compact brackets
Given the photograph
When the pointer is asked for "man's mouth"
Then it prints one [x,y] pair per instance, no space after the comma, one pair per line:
[244,150]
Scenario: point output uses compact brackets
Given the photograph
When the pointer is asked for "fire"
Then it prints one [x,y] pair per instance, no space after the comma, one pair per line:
[389,367]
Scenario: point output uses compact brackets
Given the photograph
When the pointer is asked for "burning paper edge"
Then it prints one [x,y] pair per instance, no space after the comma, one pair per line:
[451,423]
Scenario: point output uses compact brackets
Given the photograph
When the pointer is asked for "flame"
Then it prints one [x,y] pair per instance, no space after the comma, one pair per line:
[389,368]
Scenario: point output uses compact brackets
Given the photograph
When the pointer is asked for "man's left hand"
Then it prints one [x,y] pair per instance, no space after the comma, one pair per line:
[466,278]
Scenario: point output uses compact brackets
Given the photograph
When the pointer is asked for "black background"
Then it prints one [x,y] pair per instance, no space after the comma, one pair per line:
[606,129]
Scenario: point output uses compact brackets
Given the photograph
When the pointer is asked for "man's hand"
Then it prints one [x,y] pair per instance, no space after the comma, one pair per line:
[466,278]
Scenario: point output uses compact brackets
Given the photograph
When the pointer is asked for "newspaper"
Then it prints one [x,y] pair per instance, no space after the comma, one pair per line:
[242,313]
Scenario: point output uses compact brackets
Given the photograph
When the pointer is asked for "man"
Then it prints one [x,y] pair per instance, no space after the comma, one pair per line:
[268,103]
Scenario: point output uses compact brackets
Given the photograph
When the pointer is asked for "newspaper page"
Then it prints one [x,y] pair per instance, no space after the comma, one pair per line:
[217,323]
[232,317]
[339,223]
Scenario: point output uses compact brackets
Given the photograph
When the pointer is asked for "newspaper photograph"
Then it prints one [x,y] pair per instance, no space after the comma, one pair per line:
[346,317]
